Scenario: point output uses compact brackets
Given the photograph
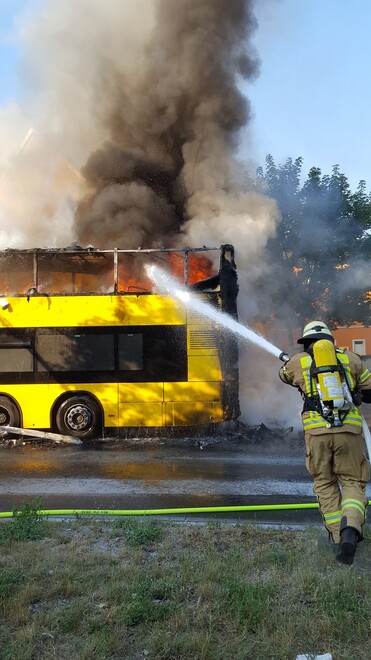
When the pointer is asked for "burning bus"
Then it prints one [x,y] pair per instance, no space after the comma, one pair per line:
[87,346]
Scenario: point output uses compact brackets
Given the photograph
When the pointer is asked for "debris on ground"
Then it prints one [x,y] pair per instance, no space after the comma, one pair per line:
[227,437]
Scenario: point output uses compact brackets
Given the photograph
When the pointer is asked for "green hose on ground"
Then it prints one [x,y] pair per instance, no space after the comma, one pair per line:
[160,512]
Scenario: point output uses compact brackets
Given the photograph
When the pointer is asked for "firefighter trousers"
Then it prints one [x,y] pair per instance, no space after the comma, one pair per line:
[336,460]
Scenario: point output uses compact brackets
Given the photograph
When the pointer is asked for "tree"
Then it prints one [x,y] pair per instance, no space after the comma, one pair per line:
[322,249]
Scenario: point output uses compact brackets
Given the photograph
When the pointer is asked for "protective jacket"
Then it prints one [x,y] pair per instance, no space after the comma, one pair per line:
[297,372]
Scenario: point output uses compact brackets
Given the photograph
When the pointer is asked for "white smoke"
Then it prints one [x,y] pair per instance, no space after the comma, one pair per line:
[68,50]
[263,397]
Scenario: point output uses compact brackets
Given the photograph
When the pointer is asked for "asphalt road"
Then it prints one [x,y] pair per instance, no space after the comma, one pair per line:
[156,476]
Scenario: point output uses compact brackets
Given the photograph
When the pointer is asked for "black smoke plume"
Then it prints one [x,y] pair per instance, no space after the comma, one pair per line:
[173,125]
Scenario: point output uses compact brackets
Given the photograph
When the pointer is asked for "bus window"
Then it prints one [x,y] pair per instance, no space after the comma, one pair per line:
[75,350]
[165,354]
[16,273]
[131,351]
[75,272]
[16,354]
[152,353]
[16,359]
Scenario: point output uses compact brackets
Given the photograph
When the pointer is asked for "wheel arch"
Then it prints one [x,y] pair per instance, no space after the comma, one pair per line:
[14,401]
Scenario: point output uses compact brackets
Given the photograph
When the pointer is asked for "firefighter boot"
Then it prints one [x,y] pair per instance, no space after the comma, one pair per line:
[347,546]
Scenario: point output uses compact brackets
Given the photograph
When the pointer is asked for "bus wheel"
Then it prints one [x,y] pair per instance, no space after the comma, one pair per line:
[9,413]
[80,417]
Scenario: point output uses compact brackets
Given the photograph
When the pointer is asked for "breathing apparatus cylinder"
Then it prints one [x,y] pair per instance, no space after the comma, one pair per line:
[330,386]
[331,383]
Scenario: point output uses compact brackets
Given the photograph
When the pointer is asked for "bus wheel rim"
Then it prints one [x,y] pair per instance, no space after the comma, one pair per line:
[78,418]
[4,417]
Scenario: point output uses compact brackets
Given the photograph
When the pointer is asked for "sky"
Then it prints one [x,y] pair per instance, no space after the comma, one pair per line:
[10,88]
[312,97]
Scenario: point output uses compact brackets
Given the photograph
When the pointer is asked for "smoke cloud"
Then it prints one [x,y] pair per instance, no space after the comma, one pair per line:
[263,397]
[141,101]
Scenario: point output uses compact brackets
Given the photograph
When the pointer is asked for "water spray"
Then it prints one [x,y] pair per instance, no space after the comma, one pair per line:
[170,286]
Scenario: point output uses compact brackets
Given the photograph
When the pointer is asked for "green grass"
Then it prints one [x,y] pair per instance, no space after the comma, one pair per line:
[9,580]
[134,534]
[137,588]
[26,524]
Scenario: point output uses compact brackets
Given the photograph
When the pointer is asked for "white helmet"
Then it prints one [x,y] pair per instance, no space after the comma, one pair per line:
[315,330]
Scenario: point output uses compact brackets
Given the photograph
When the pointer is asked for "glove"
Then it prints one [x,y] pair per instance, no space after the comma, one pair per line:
[366,396]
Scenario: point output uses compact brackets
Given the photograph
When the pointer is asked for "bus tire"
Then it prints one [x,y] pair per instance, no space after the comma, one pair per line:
[9,413]
[80,417]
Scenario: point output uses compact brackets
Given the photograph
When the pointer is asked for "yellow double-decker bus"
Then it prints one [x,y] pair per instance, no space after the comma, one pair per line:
[86,346]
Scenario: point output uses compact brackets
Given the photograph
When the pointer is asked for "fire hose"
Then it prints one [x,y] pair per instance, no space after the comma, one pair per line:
[172,511]
[367,437]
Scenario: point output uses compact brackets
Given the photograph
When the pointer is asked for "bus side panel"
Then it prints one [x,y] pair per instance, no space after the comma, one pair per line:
[141,404]
[204,368]
[39,417]
[141,414]
[188,404]
[192,413]
[28,398]
[203,355]
[79,311]
[192,392]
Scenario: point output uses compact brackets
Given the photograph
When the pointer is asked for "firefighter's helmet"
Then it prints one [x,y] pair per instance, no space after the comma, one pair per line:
[315,330]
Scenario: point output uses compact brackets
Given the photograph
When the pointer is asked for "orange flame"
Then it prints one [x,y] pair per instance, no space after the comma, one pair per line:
[199,268]
[131,274]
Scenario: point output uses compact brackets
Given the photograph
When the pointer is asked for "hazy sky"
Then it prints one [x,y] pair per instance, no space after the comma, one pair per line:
[9,49]
[313,95]
[312,98]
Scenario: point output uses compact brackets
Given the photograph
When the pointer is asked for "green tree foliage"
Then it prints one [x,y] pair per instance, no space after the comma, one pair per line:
[322,250]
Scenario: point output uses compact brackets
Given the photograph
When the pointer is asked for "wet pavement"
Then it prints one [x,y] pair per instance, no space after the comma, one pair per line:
[153,476]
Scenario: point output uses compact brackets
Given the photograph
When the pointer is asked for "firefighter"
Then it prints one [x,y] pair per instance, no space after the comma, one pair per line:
[335,451]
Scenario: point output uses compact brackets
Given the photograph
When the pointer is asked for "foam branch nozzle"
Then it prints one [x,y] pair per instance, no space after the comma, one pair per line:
[284,357]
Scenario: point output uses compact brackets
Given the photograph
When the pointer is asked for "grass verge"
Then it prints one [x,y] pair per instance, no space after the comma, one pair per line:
[138,588]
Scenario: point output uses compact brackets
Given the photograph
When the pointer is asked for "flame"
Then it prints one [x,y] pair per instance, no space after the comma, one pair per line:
[55,277]
[199,268]
[296,270]
[322,302]
[132,276]
[131,282]
[176,265]
[342,266]
[367,296]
